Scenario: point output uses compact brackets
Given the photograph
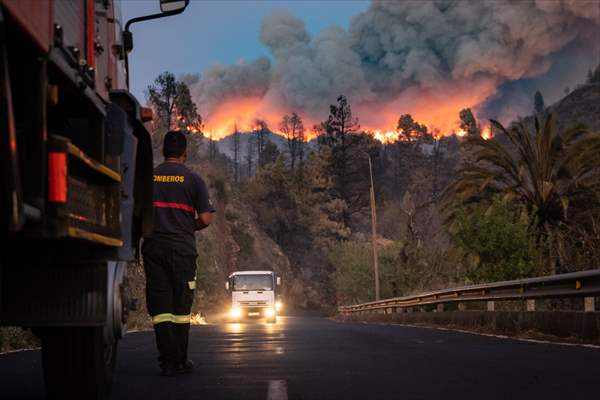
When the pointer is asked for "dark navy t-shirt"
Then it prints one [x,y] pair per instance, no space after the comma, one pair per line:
[179,195]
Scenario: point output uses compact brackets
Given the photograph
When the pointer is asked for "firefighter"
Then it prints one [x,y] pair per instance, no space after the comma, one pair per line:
[181,207]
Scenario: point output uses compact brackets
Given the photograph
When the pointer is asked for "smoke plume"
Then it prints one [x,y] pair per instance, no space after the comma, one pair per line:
[427,58]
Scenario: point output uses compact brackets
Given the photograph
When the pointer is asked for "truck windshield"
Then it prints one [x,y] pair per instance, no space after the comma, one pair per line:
[253,282]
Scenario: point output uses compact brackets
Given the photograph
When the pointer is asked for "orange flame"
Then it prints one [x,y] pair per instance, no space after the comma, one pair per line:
[461,133]
[486,133]
[192,129]
[436,109]
[384,136]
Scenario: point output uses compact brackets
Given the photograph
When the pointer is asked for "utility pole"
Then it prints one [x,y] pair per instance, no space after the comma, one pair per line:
[374,231]
[236,154]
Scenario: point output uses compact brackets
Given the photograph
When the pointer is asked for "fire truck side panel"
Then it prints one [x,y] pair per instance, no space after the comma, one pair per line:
[52,102]
[35,17]
[70,15]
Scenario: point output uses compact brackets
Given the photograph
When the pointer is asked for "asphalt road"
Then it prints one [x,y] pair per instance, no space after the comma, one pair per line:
[316,358]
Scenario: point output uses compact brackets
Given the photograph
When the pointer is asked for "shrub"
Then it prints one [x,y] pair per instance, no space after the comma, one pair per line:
[498,241]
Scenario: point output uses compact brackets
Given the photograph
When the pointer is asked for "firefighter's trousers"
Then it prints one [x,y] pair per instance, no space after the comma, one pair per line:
[170,284]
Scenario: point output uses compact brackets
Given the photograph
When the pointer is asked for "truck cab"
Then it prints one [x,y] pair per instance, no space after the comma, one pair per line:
[254,294]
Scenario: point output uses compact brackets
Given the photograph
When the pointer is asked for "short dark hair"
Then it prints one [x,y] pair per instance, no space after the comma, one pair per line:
[174,144]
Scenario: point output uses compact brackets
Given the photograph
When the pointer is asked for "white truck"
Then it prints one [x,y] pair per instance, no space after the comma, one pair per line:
[253,294]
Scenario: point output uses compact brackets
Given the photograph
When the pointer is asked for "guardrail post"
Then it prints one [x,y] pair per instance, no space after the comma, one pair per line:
[399,310]
[462,306]
[440,307]
[491,306]
[530,305]
[388,310]
[589,304]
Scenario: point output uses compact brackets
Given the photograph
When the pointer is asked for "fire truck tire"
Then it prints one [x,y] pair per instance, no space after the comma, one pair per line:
[77,363]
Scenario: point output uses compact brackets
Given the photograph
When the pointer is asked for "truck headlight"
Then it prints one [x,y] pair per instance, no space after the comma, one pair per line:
[235,313]
[278,305]
[269,312]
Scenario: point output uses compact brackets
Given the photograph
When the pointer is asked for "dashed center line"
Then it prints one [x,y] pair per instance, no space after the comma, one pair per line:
[277,390]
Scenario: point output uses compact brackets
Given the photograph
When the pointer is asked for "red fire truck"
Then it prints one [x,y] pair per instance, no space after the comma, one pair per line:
[75,182]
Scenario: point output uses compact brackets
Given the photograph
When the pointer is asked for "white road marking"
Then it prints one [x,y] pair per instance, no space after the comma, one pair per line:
[277,390]
[19,350]
[503,337]
[519,339]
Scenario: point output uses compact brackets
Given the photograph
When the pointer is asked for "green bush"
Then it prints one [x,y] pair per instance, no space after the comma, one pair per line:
[14,338]
[354,277]
[498,241]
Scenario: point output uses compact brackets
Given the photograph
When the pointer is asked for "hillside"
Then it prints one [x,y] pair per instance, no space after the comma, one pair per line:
[582,105]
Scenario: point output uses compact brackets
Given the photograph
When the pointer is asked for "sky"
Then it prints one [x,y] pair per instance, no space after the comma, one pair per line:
[215,32]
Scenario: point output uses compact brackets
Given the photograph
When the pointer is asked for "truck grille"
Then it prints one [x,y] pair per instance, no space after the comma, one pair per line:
[259,303]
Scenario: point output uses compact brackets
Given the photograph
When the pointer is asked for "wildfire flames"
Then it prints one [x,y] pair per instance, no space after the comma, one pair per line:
[242,114]
[429,59]
[486,133]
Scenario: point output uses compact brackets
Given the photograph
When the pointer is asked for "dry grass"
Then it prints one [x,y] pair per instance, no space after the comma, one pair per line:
[14,338]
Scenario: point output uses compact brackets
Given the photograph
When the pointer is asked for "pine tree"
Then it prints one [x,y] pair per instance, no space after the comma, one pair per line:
[173,104]
[236,154]
[261,129]
[538,102]
[250,144]
[468,122]
[347,152]
[595,77]
[409,129]
[293,128]
[212,148]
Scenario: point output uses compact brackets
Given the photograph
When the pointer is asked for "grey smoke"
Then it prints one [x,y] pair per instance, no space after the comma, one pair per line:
[220,83]
[399,51]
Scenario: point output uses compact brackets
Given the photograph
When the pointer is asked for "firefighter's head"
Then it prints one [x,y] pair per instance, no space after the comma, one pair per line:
[174,145]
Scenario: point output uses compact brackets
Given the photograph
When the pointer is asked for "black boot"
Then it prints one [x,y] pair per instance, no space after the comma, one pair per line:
[186,367]
[169,370]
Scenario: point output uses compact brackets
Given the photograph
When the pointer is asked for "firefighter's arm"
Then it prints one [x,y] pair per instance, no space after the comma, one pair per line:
[203,220]
[204,208]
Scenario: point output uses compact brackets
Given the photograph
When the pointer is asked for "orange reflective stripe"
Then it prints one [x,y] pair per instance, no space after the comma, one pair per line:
[57,177]
[179,206]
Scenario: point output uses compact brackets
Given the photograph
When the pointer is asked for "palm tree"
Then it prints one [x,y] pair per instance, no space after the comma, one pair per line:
[554,174]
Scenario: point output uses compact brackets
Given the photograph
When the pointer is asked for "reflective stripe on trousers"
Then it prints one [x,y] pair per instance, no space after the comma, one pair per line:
[168,317]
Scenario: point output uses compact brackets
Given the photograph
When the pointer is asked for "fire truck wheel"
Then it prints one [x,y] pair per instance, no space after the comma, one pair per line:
[77,363]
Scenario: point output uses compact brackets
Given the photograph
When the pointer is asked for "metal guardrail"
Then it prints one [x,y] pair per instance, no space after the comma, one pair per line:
[576,284]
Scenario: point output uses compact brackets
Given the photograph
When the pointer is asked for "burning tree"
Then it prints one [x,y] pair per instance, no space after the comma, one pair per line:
[468,123]
[260,132]
[293,128]
[410,130]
